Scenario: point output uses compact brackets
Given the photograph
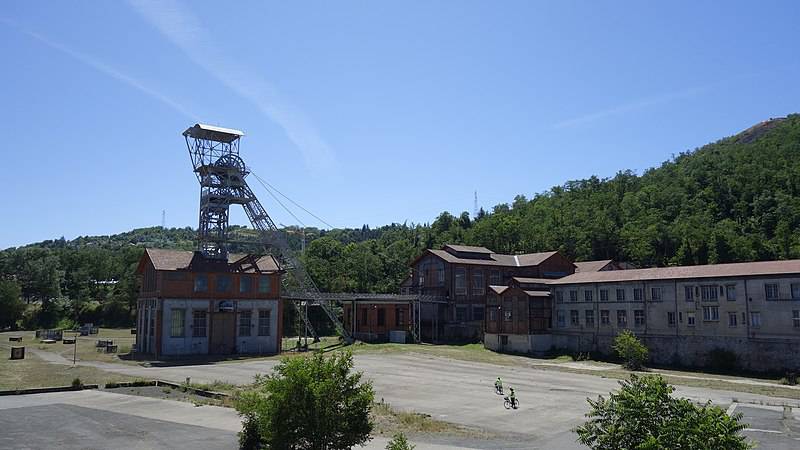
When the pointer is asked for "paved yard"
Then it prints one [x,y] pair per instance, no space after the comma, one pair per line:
[461,392]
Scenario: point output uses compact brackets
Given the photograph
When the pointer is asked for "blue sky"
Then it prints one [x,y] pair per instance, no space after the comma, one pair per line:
[367,112]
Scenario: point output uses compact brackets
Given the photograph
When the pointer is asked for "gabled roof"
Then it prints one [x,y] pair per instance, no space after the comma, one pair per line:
[468,249]
[592,266]
[496,259]
[172,260]
[498,289]
[686,272]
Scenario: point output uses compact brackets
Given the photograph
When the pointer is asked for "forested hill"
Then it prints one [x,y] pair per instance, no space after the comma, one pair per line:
[737,199]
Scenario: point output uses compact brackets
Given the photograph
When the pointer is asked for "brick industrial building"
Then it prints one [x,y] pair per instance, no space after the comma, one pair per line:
[191,305]
[461,274]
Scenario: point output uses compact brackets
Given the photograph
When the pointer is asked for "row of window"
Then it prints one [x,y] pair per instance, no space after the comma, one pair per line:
[706,293]
[710,314]
[200,323]
[224,283]
[605,318]
[478,285]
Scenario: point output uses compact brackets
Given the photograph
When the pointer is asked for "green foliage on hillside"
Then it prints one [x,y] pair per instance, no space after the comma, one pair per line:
[734,200]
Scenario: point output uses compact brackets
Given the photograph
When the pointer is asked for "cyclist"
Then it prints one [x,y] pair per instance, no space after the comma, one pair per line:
[512,398]
[498,385]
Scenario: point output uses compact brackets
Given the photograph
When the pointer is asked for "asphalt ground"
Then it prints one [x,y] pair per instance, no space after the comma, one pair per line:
[552,402]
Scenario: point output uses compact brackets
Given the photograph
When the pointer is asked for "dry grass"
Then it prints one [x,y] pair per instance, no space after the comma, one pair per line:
[33,372]
[389,421]
[87,351]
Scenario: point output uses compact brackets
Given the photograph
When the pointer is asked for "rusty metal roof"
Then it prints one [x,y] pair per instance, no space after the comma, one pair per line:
[761,268]
[213,133]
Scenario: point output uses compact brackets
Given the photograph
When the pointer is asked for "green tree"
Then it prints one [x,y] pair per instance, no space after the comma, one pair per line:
[11,306]
[628,347]
[314,402]
[399,442]
[643,415]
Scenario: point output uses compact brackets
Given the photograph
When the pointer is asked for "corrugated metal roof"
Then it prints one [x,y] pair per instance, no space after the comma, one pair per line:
[214,133]
[686,272]
[591,266]
[171,260]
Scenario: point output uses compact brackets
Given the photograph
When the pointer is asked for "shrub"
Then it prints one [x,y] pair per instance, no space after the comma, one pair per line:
[790,379]
[399,442]
[76,383]
[722,360]
[313,402]
[643,415]
[631,350]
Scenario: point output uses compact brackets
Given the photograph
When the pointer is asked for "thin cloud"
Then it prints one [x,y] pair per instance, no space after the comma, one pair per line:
[185,30]
[628,107]
[106,69]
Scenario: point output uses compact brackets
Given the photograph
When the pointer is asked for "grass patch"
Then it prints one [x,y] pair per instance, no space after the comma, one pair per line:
[389,421]
[87,351]
[32,372]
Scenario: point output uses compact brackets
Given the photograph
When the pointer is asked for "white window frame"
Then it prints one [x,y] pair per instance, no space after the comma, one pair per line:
[709,293]
[710,313]
[245,323]
[588,296]
[755,319]
[588,316]
[688,292]
[730,292]
[691,319]
[638,294]
[639,318]
[177,325]
[620,294]
[265,322]
[622,318]
[603,295]
[733,319]
[573,295]
[199,326]
[768,287]
[671,321]
[605,319]
[655,294]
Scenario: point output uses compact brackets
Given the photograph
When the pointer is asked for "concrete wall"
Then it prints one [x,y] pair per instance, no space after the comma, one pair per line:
[254,343]
[682,326]
[190,345]
[186,344]
[517,343]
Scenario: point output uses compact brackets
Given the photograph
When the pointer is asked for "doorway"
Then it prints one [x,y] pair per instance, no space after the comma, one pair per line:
[223,337]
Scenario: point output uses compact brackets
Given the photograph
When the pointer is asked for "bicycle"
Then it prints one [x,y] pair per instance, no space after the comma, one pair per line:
[508,405]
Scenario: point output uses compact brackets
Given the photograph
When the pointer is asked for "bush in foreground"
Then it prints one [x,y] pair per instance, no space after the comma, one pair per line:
[314,403]
[399,442]
[644,416]
[631,350]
